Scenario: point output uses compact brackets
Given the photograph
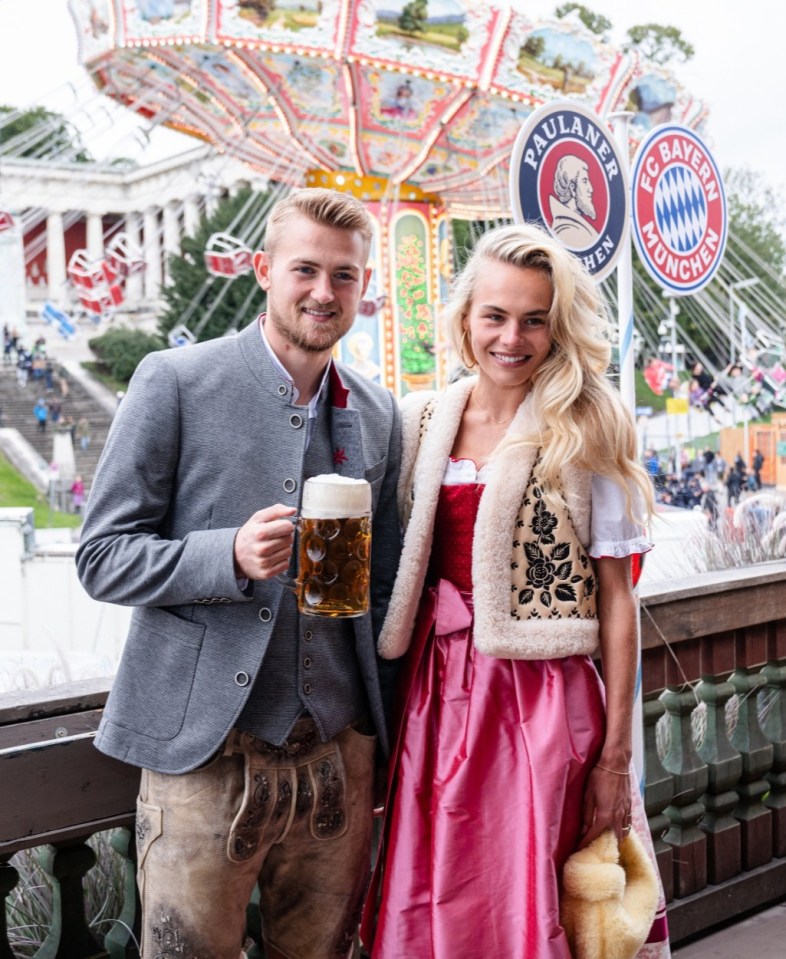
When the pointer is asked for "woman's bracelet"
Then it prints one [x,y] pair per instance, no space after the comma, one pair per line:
[616,772]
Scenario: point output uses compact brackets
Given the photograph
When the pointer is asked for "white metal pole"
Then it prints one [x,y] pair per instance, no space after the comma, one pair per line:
[619,125]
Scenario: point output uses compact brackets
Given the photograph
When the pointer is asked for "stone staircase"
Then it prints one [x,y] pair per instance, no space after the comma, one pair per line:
[17,405]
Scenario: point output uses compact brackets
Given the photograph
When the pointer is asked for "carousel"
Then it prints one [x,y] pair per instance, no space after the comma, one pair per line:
[411,105]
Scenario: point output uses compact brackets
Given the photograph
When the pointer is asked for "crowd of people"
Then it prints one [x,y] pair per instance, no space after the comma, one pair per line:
[706,481]
[36,369]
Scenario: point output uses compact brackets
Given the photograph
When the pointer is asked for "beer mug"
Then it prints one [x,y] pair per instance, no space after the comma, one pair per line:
[335,547]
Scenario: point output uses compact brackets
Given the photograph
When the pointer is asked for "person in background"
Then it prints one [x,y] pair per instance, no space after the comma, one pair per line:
[77,494]
[82,432]
[41,413]
[757,463]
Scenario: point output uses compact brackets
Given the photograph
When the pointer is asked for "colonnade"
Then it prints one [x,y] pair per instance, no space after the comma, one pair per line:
[156,231]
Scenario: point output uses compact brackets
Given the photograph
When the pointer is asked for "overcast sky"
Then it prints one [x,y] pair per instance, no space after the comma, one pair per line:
[738,70]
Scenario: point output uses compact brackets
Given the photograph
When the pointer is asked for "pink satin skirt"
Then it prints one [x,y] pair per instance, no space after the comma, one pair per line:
[485,797]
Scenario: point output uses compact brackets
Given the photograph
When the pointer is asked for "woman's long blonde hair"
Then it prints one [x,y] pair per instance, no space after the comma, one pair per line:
[583,420]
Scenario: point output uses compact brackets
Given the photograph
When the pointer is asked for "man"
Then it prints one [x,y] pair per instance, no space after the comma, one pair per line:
[709,506]
[758,463]
[254,725]
[571,203]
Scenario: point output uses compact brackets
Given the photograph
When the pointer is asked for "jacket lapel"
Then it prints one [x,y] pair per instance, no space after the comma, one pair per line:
[432,459]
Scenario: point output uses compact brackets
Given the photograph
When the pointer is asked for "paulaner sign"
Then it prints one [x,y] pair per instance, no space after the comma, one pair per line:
[566,174]
[679,209]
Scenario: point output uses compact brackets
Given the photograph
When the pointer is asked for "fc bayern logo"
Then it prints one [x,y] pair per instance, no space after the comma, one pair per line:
[679,209]
[566,174]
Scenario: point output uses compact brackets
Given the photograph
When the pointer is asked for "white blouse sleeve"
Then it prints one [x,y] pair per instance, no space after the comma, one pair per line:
[613,533]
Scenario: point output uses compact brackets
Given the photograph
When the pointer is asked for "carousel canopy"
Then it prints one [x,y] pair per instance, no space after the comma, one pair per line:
[427,92]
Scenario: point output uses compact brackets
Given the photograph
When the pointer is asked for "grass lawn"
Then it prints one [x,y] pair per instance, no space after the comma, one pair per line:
[16,491]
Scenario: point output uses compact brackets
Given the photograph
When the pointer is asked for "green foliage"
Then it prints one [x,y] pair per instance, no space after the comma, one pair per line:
[30,909]
[466,234]
[120,350]
[535,46]
[757,219]
[659,44]
[229,302]
[417,325]
[595,22]
[16,491]
[413,16]
[40,133]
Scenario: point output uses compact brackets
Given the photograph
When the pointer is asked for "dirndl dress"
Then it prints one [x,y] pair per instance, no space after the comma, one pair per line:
[486,784]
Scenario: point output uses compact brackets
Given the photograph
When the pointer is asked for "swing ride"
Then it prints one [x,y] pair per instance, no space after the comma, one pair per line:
[411,106]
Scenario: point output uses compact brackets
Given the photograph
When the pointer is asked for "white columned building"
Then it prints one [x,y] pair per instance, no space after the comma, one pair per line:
[134,284]
[166,198]
[95,236]
[191,216]
[171,234]
[152,248]
[55,257]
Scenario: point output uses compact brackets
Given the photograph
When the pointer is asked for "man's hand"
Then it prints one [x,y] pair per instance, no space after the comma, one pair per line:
[263,545]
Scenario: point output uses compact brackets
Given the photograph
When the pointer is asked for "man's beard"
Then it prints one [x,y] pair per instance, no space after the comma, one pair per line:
[309,339]
[586,207]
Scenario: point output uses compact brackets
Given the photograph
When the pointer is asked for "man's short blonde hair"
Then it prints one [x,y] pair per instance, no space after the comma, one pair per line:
[326,207]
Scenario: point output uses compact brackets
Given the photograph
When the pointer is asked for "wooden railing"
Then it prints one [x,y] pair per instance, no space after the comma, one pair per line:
[714,680]
[714,672]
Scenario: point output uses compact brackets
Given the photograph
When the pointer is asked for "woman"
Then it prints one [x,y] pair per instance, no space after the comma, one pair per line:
[507,760]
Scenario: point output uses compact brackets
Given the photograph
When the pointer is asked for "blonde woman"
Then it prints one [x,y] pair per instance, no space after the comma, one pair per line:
[524,505]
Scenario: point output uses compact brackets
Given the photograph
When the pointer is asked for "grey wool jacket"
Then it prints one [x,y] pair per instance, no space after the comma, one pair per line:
[206,436]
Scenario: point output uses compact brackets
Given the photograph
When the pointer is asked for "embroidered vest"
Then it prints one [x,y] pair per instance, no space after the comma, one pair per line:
[534,585]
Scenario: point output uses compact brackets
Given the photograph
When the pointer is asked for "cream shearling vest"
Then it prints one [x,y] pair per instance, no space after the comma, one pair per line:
[535,587]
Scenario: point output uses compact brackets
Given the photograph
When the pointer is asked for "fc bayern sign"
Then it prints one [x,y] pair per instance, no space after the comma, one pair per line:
[566,174]
[679,209]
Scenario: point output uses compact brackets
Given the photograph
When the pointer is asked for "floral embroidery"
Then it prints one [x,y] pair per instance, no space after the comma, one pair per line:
[168,939]
[552,575]
[543,523]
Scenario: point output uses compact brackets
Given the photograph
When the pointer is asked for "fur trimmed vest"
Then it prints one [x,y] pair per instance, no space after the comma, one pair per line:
[535,599]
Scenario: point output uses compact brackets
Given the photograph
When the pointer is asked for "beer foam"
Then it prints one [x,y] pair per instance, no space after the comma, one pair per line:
[331,496]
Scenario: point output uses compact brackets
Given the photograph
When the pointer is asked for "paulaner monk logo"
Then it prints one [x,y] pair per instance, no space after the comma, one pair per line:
[679,209]
[566,174]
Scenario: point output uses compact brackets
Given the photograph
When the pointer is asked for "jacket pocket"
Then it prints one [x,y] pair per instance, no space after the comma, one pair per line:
[376,472]
[153,684]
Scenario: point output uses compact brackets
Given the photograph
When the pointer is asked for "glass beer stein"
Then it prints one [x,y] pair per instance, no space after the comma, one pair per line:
[335,547]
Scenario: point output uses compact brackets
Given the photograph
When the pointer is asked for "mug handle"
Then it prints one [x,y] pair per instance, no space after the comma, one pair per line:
[287,581]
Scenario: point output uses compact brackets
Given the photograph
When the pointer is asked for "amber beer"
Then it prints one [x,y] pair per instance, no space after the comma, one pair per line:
[335,547]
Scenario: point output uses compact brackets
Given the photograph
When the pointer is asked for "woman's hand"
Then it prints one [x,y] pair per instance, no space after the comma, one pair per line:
[607,805]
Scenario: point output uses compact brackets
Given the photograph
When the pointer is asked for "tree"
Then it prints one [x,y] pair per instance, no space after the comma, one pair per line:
[659,44]
[120,350]
[757,220]
[535,47]
[194,293]
[594,22]
[413,16]
[40,133]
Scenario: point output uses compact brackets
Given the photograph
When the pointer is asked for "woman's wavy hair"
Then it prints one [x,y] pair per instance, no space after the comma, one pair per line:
[582,417]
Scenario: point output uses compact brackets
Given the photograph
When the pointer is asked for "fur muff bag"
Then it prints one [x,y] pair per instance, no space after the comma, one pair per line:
[610,894]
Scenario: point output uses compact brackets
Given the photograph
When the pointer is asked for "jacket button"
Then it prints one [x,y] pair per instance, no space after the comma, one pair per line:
[307,662]
[289,485]
[308,635]
[265,614]
[306,688]
[242,678]
[282,390]
[296,421]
